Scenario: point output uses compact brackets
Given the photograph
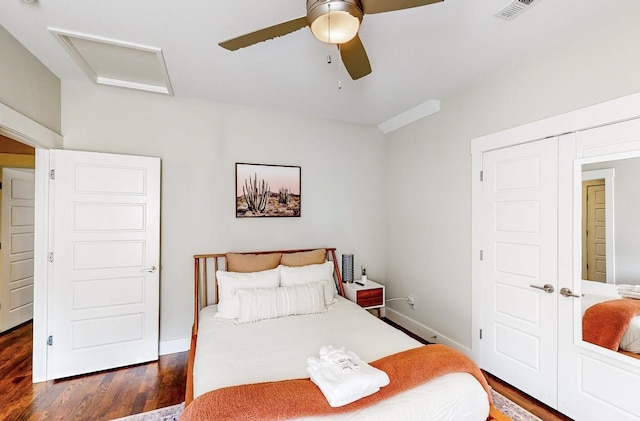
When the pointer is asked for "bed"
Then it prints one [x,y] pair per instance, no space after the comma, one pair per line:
[244,366]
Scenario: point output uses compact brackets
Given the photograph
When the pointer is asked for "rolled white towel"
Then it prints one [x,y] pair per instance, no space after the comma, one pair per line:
[343,377]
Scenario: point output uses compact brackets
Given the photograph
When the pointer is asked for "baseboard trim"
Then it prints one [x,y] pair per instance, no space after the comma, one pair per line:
[174,345]
[424,332]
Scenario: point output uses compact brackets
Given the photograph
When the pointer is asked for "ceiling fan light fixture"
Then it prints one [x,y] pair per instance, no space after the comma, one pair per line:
[334,21]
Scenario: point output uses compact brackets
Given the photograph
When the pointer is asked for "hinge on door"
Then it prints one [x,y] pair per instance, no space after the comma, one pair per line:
[52,174]
[51,257]
[481,254]
[481,175]
[480,333]
[0,185]
[50,340]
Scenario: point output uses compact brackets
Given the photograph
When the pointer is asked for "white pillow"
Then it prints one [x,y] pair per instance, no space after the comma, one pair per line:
[311,273]
[228,282]
[269,303]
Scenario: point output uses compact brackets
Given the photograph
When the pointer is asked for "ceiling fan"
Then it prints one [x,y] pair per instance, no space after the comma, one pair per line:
[333,22]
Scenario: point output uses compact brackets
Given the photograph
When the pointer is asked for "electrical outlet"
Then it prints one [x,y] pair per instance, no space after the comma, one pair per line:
[411,300]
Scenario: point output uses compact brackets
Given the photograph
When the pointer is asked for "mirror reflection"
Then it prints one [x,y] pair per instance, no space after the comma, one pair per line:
[612,258]
[611,255]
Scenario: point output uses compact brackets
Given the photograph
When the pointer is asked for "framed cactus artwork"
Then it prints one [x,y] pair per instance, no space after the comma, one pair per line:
[264,190]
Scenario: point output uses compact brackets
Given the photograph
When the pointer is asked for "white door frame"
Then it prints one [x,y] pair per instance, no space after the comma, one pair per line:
[27,131]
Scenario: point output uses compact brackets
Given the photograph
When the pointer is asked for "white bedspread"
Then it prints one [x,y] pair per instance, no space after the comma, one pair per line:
[231,354]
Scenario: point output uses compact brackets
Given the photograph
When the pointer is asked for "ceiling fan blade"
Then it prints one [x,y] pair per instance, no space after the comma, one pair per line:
[355,58]
[380,6]
[265,34]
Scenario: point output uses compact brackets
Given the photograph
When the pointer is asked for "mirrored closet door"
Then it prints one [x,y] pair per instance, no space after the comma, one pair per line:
[598,354]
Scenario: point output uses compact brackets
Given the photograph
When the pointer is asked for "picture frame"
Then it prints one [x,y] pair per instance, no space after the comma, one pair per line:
[267,191]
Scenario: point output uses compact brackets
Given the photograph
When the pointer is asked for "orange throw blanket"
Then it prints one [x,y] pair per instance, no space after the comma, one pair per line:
[604,323]
[300,397]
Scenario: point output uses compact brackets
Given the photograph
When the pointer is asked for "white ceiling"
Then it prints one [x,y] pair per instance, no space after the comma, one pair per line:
[417,55]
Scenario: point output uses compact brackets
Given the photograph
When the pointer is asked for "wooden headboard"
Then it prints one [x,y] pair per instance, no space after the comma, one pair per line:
[201,280]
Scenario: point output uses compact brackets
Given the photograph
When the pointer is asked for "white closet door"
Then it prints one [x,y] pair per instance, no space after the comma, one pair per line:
[519,242]
[106,240]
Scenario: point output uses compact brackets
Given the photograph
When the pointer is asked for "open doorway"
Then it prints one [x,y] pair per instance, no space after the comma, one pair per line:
[17,166]
[26,131]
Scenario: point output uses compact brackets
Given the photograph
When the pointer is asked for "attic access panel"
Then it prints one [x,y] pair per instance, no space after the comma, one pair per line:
[118,63]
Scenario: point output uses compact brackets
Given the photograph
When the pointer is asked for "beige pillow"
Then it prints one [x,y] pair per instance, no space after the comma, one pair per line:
[244,263]
[304,258]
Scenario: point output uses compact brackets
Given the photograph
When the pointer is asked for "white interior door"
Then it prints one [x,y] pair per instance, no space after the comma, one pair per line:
[104,298]
[519,243]
[16,249]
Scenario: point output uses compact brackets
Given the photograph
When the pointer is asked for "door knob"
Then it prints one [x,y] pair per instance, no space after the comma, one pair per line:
[548,288]
[150,269]
[566,292]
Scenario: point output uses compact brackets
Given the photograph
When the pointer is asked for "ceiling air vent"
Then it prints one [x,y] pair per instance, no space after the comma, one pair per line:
[515,8]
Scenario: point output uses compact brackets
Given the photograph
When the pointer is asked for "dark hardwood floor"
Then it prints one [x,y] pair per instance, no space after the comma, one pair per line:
[100,396]
[130,390]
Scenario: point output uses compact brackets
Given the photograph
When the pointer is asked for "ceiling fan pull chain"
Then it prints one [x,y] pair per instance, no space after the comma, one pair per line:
[329,44]
[339,80]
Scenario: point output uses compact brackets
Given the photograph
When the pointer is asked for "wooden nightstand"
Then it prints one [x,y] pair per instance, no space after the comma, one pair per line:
[369,296]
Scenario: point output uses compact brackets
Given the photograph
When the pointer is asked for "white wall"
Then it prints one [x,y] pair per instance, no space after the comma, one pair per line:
[429,163]
[409,224]
[199,143]
[26,85]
